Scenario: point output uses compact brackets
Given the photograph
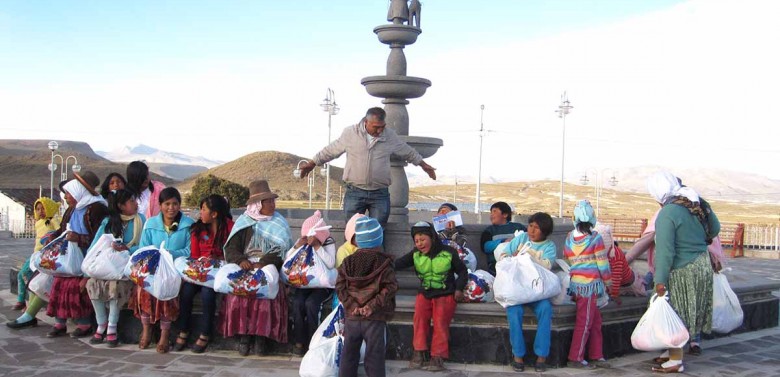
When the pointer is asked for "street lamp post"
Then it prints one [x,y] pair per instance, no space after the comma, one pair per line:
[598,185]
[53,146]
[329,105]
[297,174]
[563,110]
[479,172]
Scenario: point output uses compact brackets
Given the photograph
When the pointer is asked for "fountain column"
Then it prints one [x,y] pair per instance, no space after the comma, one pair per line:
[396,87]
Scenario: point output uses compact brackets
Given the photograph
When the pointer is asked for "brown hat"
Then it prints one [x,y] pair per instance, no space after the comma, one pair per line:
[89,180]
[259,191]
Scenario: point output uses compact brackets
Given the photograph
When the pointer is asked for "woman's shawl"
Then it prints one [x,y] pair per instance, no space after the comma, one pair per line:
[270,236]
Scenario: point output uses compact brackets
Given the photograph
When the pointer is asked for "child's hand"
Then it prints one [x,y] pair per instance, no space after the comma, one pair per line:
[314,242]
[459,297]
[245,265]
[72,237]
[301,242]
[119,246]
[366,311]
[83,284]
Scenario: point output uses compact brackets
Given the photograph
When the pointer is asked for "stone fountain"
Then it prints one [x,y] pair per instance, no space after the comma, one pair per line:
[396,88]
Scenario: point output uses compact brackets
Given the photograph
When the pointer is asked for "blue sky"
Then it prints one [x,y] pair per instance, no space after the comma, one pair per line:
[223,79]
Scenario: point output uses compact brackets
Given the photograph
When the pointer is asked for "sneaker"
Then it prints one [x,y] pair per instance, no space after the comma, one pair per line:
[600,363]
[517,366]
[436,364]
[20,325]
[418,358]
[580,365]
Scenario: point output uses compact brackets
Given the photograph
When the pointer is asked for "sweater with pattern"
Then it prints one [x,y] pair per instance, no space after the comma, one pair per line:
[589,264]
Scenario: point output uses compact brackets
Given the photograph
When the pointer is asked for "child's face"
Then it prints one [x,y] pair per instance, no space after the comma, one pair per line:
[535,233]
[423,242]
[497,217]
[129,208]
[115,184]
[207,216]
[40,212]
[444,210]
[170,208]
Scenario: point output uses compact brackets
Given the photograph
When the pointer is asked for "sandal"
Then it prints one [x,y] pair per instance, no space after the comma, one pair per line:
[20,306]
[181,342]
[146,338]
[96,339]
[163,345]
[672,369]
[201,344]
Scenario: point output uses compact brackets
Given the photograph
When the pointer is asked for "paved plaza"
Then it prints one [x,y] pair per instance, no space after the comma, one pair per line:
[29,353]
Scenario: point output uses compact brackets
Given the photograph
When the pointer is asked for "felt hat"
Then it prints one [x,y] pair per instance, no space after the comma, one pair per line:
[89,180]
[259,191]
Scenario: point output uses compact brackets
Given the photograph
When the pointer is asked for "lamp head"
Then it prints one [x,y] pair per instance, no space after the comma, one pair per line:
[53,146]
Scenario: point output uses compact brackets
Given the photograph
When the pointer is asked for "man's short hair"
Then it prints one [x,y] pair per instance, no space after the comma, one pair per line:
[377,112]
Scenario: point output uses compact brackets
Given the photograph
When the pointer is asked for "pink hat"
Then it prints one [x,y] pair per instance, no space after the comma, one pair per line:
[315,226]
[349,230]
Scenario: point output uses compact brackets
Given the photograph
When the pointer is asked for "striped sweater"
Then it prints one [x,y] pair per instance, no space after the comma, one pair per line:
[589,264]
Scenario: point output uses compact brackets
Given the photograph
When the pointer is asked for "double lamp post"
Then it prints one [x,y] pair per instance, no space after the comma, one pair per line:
[53,146]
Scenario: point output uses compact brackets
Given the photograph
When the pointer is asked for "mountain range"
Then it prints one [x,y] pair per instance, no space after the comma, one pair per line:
[173,165]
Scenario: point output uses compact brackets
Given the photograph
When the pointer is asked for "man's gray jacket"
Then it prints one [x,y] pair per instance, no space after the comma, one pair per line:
[368,165]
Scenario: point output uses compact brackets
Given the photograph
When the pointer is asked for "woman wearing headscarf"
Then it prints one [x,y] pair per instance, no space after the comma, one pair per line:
[259,237]
[68,297]
[683,229]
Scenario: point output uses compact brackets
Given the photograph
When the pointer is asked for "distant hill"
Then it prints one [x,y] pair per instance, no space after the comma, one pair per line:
[277,168]
[154,155]
[25,163]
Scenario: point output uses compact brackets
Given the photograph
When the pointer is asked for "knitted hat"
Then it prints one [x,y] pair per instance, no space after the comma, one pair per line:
[368,233]
[349,230]
[583,213]
[315,226]
[605,230]
[424,227]
[447,205]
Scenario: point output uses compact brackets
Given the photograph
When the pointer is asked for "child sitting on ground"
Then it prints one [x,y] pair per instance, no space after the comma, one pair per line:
[542,252]
[436,266]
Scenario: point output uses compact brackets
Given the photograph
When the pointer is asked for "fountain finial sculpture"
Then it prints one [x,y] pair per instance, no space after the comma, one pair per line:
[396,88]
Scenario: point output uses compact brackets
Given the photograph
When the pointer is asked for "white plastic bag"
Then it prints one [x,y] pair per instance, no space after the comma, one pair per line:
[152,269]
[59,257]
[41,286]
[322,360]
[521,281]
[200,271]
[659,328]
[727,314]
[103,262]
[261,283]
[563,298]
[479,287]
[303,268]
[332,327]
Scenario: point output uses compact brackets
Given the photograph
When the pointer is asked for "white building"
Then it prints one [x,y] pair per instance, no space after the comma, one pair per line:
[16,211]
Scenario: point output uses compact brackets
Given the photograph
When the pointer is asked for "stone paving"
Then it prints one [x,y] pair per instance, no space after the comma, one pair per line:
[29,353]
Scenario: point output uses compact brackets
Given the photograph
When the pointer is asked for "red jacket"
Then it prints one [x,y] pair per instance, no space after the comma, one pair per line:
[202,244]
